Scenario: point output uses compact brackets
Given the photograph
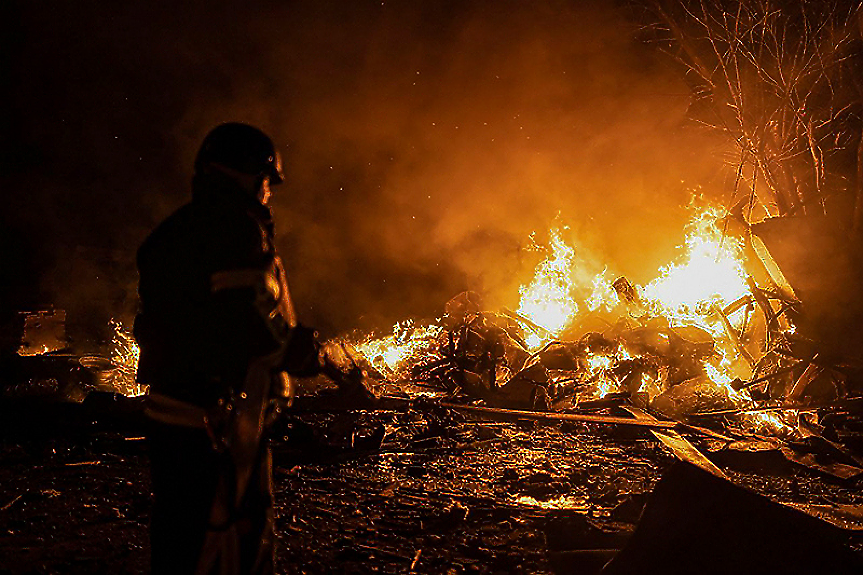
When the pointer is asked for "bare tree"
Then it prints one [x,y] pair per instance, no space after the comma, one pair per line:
[782,79]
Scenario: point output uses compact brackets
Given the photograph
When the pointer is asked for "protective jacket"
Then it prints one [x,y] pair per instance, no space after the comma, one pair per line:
[213,295]
[215,324]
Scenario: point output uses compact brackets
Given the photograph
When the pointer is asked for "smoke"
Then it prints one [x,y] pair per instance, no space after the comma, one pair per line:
[424,141]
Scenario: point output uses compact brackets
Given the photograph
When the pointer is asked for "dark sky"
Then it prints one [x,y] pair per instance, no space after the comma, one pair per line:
[423,140]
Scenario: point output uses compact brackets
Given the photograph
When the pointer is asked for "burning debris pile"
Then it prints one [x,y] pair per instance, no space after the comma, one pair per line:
[705,351]
[47,365]
[703,343]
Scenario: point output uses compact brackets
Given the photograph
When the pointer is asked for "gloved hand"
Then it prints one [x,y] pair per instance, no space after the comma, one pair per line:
[302,354]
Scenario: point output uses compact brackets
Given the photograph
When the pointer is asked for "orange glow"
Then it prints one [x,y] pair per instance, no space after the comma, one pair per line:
[598,367]
[29,351]
[762,422]
[560,502]
[708,274]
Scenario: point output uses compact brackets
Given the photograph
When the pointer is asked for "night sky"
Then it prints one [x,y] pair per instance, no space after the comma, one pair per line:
[423,141]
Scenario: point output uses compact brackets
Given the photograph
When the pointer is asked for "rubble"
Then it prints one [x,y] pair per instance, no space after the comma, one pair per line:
[695,522]
[483,440]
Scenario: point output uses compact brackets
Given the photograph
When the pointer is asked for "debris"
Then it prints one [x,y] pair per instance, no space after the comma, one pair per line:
[829,466]
[11,503]
[695,522]
[812,371]
[679,446]
[511,414]
[753,455]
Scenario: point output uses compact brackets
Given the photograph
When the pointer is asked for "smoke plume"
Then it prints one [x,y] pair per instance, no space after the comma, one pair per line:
[424,142]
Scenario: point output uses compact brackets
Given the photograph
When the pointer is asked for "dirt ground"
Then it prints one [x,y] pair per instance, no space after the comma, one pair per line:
[417,489]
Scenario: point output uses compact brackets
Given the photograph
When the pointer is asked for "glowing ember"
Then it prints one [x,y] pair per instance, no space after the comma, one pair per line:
[547,301]
[393,354]
[560,502]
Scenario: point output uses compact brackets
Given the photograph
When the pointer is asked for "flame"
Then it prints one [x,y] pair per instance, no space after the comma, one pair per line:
[602,295]
[533,340]
[124,356]
[710,273]
[547,301]
[394,353]
[600,370]
[30,351]
[708,276]
[650,386]
[759,421]
[559,502]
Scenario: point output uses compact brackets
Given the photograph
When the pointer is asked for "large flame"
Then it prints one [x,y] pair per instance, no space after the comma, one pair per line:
[709,274]
[547,301]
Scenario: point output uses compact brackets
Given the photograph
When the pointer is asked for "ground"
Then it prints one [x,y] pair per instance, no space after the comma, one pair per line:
[440,493]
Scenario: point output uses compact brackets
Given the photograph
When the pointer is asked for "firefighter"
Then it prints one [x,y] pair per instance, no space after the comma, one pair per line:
[218,340]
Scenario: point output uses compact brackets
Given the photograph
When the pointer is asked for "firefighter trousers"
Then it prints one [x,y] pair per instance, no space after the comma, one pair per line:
[186,472]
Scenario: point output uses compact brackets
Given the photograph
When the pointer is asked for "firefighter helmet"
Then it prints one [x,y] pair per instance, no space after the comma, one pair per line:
[243,148]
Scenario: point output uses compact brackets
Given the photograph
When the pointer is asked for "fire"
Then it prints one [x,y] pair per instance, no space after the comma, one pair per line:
[692,290]
[392,354]
[547,301]
[759,421]
[598,367]
[602,295]
[707,277]
[650,386]
[28,351]
[124,356]
[709,274]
